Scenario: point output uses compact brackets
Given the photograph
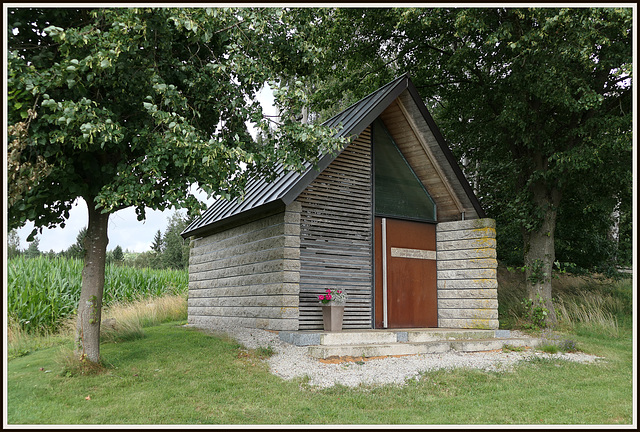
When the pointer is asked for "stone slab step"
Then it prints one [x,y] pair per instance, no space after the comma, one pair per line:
[355,337]
[411,348]
[435,335]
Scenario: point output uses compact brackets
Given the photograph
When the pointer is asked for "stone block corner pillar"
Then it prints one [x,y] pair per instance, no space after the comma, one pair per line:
[467,271]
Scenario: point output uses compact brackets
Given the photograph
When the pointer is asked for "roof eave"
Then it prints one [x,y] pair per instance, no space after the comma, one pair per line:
[259,212]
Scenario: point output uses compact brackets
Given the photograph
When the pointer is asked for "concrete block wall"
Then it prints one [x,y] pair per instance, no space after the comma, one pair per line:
[248,276]
[467,274]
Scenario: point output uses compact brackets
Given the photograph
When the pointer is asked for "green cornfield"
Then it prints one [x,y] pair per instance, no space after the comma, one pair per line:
[42,292]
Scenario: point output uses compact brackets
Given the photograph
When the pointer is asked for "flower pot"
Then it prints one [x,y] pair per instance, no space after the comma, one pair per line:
[332,317]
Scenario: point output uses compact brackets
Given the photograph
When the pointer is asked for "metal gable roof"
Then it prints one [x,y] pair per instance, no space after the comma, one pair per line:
[362,113]
[262,197]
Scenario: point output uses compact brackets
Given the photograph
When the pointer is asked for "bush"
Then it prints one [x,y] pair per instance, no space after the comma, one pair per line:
[535,316]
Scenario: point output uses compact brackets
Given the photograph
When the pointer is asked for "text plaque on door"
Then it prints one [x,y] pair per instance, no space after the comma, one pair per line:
[413,253]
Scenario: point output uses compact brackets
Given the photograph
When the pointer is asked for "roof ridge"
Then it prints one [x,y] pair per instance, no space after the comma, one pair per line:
[288,184]
[389,84]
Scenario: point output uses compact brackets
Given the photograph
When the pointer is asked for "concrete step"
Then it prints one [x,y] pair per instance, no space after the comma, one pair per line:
[411,348]
[436,335]
[363,337]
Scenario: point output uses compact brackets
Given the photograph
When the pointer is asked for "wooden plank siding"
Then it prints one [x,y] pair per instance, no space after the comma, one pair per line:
[336,232]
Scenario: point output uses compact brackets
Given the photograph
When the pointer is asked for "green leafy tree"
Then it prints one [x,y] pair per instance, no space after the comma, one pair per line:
[131,107]
[601,241]
[77,250]
[118,255]
[24,170]
[536,101]
[144,260]
[33,250]
[13,244]
[157,247]
[175,247]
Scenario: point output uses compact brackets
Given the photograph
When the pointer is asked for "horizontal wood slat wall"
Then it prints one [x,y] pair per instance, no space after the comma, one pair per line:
[335,237]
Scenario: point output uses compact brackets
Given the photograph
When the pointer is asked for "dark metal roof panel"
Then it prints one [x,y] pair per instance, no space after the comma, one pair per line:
[288,185]
[352,117]
[257,193]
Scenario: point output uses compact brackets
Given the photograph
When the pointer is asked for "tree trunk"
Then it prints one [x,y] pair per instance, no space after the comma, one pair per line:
[539,251]
[90,305]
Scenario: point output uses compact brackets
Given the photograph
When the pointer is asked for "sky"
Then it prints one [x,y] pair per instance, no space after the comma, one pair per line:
[124,228]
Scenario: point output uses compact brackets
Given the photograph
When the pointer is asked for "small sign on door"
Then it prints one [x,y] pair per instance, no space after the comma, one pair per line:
[413,253]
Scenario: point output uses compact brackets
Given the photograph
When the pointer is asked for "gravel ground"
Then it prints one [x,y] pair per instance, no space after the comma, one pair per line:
[290,361]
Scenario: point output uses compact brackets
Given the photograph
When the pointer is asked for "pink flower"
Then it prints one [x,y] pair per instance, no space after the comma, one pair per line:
[321,297]
[339,291]
[328,290]
[328,296]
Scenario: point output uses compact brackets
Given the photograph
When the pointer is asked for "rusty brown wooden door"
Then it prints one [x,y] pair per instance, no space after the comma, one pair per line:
[407,263]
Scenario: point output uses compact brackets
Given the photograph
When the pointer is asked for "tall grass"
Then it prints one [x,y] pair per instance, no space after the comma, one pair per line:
[126,320]
[20,342]
[596,311]
[587,316]
[43,292]
[122,321]
[582,304]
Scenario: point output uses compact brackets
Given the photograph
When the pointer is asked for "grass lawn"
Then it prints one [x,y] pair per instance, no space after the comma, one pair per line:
[178,375]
